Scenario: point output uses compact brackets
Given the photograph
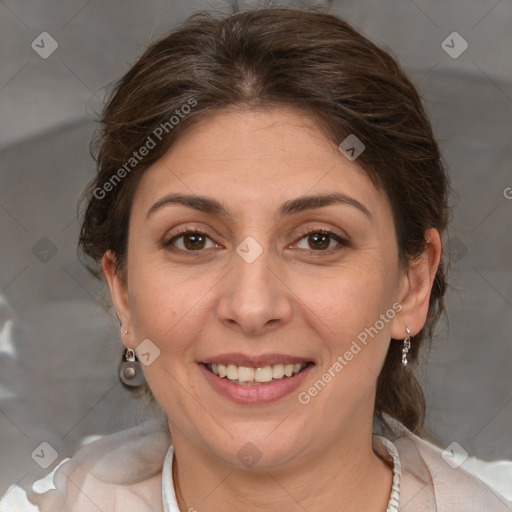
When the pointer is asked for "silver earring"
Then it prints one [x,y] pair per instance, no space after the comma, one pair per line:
[130,371]
[125,332]
[406,347]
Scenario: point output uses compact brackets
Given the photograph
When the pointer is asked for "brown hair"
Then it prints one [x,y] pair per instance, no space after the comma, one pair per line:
[303,59]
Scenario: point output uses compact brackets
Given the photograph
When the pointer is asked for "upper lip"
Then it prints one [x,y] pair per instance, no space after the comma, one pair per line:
[256,361]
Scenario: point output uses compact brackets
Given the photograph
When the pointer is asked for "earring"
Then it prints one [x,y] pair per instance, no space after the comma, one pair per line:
[406,347]
[125,331]
[130,371]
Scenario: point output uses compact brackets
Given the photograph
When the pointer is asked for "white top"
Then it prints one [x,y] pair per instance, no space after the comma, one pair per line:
[131,471]
[380,444]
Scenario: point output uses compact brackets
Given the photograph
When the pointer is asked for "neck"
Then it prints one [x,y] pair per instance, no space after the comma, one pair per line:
[347,477]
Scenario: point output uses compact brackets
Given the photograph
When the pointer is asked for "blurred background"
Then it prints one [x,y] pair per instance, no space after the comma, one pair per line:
[59,343]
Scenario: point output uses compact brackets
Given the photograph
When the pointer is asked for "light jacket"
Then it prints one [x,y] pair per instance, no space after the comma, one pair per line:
[122,472]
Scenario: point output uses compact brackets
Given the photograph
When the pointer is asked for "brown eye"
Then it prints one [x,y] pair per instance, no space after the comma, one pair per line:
[194,241]
[320,240]
[189,241]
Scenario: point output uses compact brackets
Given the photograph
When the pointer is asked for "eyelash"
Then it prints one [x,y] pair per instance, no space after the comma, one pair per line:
[320,231]
[342,243]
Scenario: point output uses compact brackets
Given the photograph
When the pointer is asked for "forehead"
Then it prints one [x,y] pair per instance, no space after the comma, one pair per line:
[261,158]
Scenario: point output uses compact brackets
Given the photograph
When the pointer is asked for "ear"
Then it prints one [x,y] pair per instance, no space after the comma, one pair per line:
[415,287]
[118,290]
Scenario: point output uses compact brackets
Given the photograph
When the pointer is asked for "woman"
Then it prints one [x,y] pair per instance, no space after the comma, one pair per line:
[268,214]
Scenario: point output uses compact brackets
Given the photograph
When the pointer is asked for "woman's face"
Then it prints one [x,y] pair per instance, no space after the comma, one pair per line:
[254,290]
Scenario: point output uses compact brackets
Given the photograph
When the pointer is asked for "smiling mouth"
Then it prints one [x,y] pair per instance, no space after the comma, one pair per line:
[248,376]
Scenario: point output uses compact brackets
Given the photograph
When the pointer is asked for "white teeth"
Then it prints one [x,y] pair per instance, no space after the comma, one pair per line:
[232,372]
[263,374]
[246,374]
[278,371]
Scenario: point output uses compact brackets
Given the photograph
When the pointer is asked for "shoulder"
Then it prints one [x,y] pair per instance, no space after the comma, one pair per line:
[120,471]
[15,500]
[445,480]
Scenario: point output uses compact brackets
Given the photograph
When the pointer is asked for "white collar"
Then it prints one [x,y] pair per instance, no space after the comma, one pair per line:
[168,494]
[384,448]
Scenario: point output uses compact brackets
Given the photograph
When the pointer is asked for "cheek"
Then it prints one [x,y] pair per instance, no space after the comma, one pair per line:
[163,306]
[353,300]
[356,322]
[168,310]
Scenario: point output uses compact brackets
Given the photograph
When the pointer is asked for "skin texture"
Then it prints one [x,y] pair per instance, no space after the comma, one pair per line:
[299,297]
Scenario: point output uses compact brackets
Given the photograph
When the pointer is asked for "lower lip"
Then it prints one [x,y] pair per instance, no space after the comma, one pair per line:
[256,394]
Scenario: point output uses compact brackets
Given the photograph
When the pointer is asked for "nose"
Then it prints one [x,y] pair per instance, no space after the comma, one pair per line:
[254,297]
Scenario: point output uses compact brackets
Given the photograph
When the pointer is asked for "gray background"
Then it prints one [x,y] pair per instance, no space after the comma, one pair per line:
[59,349]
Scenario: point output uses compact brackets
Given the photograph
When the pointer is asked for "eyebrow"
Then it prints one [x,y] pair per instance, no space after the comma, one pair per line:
[293,206]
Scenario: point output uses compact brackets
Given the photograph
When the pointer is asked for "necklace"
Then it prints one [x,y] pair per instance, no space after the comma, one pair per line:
[384,447]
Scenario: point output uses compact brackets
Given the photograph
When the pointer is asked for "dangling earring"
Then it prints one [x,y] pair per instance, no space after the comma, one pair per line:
[406,347]
[130,371]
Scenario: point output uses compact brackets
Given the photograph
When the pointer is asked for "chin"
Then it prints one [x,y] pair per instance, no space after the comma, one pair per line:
[255,449]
